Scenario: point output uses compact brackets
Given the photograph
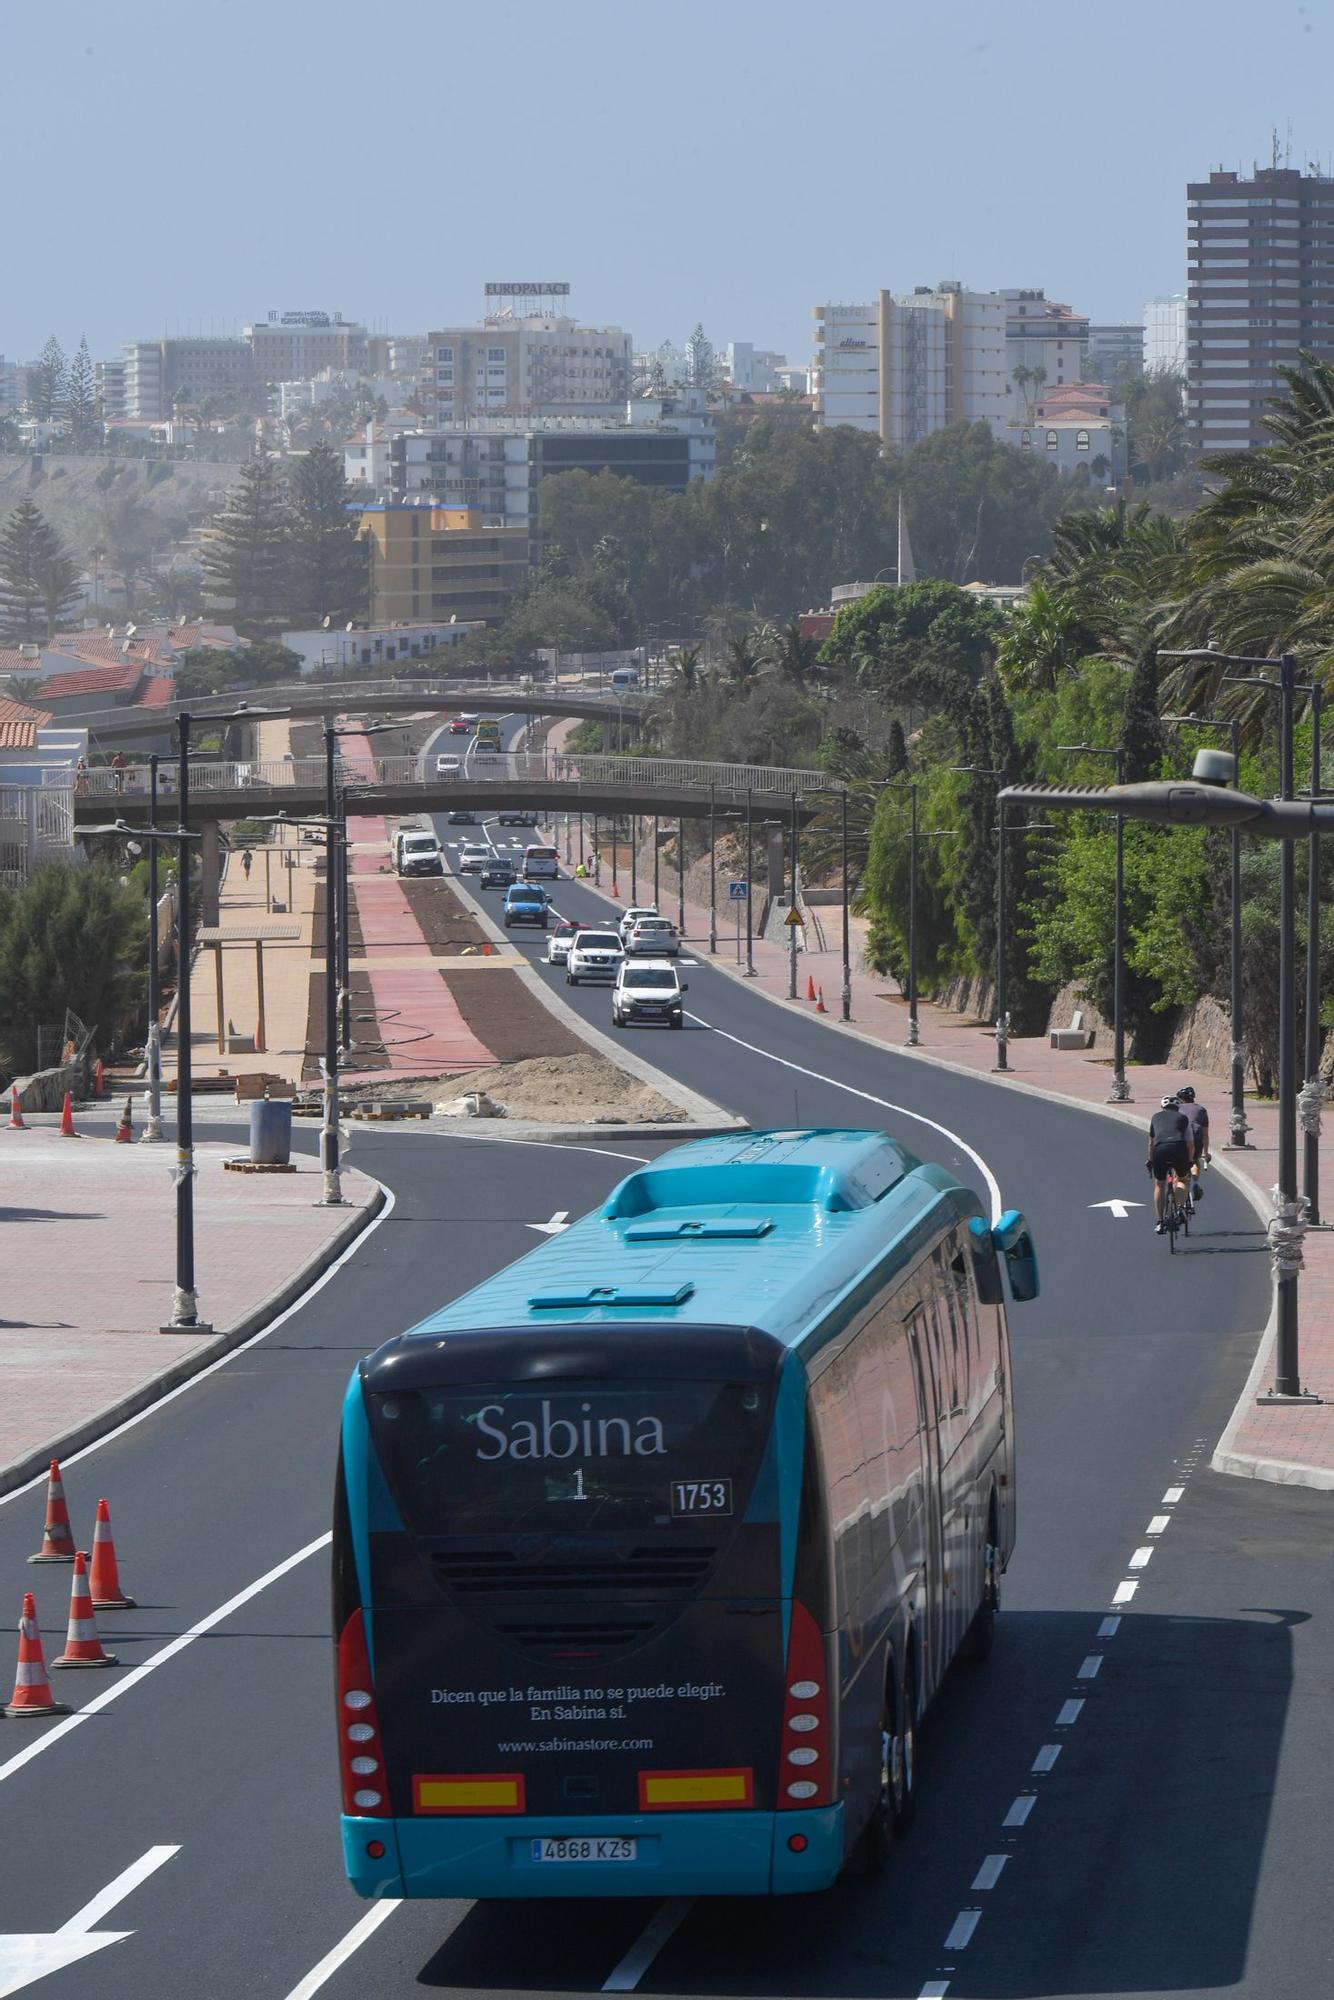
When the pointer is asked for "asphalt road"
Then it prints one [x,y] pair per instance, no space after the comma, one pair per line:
[1171,1838]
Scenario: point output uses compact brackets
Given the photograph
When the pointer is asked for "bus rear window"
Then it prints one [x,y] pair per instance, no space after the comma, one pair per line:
[572,1455]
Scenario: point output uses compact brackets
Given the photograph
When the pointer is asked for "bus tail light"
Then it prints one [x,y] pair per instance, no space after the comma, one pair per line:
[361,1756]
[803,1762]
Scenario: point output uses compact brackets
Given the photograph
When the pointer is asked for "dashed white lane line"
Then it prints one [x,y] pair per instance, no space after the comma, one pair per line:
[988,1875]
[1142,1557]
[1068,1714]
[1091,1663]
[1046,1757]
[319,1975]
[92,1913]
[1158,1524]
[1124,1592]
[647,1945]
[1172,1495]
[1019,1811]
[935,1989]
[1109,1629]
[961,1930]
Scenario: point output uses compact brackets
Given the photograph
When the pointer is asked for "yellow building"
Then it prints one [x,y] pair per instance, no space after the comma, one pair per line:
[441,562]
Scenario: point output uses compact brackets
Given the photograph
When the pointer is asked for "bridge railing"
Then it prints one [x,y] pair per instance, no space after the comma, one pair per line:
[270,778]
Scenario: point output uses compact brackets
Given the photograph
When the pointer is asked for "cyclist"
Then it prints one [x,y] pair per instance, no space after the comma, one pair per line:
[1198,1119]
[1171,1151]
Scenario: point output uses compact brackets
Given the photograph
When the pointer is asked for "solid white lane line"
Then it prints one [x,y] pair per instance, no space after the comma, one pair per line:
[988,1875]
[1068,1713]
[1124,1592]
[223,1360]
[1046,1757]
[1158,1524]
[1172,1495]
[160,1658]
[867,1097]
[961,1930]
[1020,1810]
[115,1892]
[1141,1558]
[320,1974]
[647,1945]
[1109,1628]
[1088,1667]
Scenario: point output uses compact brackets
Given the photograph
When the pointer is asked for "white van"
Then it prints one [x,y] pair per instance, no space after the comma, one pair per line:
[625,677]
[540,864]
[417,851]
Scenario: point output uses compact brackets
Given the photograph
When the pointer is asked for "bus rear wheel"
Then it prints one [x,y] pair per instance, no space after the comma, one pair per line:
[897,1795]
[981,1634]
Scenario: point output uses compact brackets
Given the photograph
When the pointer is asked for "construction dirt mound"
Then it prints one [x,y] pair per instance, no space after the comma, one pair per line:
[581,1089]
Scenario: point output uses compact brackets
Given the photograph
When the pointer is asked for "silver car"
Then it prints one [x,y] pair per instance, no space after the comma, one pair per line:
[652,937]
[473,858]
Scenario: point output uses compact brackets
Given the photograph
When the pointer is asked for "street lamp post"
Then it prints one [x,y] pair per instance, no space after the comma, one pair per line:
[1120,1090]
[792,911]
[153,1129]
[915,835]
[846,996]
[634,860]
[1237,1140]
[680,878]
[332,827]
[1313,1089]
[750,883]
[655,861]
[713,876]
[1002,1015]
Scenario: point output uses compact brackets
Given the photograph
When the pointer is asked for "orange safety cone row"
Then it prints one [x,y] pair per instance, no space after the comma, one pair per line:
[16,1118]
[67,1130]
[32,1690]
[820,1007]
[810,987]
[105,1574]
[125,1130]
[83,1647]
[57,1539]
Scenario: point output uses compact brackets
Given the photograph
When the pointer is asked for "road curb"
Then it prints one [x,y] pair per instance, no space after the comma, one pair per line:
[66,1442]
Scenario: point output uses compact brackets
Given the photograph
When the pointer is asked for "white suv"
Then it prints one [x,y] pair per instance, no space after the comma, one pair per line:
[648,990]
[651,937]
[632,916]
[593,955]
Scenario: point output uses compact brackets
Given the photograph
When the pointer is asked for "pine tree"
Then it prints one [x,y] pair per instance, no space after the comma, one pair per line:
[38,578]
[896,753]
[1141,730]
[46,382]
[246,550]
[81,398]
[329,568]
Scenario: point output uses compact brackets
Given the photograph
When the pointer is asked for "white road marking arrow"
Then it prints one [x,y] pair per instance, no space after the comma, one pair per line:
[560,1220]
[1120,1209]
[25,1959]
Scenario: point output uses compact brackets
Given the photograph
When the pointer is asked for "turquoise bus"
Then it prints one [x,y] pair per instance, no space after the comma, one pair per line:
[650,1552]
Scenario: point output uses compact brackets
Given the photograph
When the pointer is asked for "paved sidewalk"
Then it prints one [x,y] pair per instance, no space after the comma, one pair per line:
[90,1233]
[1285,1443]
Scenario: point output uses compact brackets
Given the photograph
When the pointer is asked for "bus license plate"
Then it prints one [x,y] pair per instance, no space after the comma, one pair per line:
[568,1847]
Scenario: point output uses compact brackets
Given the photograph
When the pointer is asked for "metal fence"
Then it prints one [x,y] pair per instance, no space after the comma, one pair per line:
[36,826]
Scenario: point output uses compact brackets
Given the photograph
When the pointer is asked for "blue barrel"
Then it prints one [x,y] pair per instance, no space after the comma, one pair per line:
[271,1131]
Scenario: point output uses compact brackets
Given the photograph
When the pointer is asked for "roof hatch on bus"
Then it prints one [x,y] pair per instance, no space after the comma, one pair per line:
[835,1171]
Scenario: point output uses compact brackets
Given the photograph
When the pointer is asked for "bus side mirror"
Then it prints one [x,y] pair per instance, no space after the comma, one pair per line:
[1015,1243]
[986,1267]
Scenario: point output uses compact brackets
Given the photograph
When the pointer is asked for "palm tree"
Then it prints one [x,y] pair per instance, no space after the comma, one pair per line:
[795,655]
[686,668]
[745,656]
[1044,641]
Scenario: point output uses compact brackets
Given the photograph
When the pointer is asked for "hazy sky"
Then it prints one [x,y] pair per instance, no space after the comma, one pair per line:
[174,168]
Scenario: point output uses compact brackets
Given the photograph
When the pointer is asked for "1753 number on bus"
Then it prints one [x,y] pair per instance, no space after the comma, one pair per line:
[701,1496]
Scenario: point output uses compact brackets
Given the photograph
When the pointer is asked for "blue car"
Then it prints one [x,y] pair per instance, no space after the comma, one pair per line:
[525,903]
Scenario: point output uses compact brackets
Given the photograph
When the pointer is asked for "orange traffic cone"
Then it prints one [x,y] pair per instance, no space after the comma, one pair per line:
[487,948]
[125,1130]
[32,1690]
[67,1130]
[57,1540]
[99,1079]
[16,1120]
[107,1593]
[83,1648]
[615,891]
[810,987]
[820,1007]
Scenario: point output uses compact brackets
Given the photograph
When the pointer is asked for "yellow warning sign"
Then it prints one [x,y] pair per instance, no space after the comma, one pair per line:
[794,918]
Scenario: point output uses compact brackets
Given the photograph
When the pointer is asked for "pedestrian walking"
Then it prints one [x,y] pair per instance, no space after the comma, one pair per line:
[246,860]
[119,765]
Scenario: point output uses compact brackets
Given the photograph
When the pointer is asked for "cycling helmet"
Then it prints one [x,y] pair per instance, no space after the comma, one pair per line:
[1168,1104]
[1186,1094]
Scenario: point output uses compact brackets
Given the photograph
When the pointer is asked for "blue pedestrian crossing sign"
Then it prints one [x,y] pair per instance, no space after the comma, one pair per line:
[738,892]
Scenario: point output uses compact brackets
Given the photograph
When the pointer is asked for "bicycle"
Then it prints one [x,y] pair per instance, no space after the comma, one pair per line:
[1176,1210]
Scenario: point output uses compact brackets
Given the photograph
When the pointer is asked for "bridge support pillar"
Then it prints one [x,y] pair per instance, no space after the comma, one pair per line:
[210,873]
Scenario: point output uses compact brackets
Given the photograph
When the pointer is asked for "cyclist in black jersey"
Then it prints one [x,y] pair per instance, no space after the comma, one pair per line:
[1171,1151]
[1198,1120]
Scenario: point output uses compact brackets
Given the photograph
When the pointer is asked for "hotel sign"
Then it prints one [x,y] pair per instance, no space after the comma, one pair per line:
[528,289]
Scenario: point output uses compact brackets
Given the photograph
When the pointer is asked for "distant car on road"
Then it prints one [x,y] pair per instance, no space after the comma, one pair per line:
[525,903]
[468,717]
[648,990]
[474,857]
[593,955]
[463,817]
[633,915]
[448,767]
[564,935]
[498,873]
[652,937]
[517,816]
[459,726]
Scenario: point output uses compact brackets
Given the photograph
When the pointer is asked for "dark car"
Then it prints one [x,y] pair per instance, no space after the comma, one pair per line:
[498,873]
[525,903]
[463,818]
[517,816]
